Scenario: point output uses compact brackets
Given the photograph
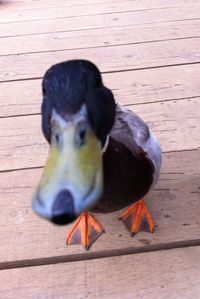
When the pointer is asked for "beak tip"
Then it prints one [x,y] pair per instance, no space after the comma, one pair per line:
[63,219]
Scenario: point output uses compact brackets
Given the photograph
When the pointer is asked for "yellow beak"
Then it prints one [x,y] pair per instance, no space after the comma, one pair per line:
[72,179]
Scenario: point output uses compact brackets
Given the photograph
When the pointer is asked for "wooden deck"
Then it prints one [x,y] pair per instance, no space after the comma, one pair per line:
[149,54]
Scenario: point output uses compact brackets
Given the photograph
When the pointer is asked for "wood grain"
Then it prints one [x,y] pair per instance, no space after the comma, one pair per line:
[174,205]
[66,11]
[102,37]
[71,10]
[108,59]
[149,54]
[133,18]
[157,275]
[134,87]
[89,6]
[175,123]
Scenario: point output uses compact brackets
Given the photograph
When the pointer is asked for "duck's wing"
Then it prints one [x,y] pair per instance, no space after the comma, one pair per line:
[133,132]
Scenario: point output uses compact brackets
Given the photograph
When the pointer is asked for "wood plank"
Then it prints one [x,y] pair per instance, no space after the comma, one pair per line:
[27,240]
[65,12]
[71,10]
[135,87]
[174,205]
[164,274]
[108,59]
[99,37]
[50,3]
[102,21]
[92,5]
[175,123]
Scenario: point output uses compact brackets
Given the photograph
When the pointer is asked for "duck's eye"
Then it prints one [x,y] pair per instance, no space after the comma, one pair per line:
[58,140]
[57,137]
[81,134]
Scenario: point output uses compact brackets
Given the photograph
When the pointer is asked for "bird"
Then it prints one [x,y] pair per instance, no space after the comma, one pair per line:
[102,157]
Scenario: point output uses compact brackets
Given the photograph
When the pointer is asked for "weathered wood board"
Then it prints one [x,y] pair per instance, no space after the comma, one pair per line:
[157,275]
[148,53]
[133,18]
[102,37]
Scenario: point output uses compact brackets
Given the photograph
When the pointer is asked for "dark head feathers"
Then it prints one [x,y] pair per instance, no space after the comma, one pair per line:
[67,86]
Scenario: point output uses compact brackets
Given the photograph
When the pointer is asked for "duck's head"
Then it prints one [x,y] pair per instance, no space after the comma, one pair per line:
[78,113]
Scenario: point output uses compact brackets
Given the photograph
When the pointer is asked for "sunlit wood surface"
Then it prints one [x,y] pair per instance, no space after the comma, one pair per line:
[149,55]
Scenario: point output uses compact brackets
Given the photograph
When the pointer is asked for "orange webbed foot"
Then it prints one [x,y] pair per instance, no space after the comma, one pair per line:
[137,218]
[85,231]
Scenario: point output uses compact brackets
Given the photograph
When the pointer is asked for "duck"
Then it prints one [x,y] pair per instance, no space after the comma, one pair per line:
[102,156]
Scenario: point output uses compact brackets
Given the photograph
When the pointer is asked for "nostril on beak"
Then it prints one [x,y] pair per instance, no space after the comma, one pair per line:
[63,208]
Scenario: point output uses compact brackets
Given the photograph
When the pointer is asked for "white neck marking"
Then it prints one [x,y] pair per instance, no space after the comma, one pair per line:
[106,144]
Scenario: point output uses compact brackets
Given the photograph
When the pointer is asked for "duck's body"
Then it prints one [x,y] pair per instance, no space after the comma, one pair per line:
[131,162]
[103,156]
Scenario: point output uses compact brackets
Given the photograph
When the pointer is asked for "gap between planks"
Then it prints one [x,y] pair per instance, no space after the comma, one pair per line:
[97,255]
[125,105]
[42,166]
[109,72]
[75,47]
